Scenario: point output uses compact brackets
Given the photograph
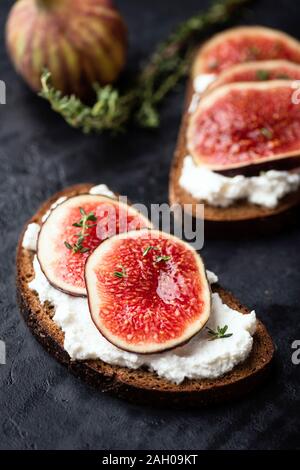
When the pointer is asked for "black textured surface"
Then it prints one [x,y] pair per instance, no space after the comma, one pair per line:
[42,406]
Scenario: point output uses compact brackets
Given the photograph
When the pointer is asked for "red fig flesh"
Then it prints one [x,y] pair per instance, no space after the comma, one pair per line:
[147,291]
[258,72]
[245,124]
[244,44]
[72,232]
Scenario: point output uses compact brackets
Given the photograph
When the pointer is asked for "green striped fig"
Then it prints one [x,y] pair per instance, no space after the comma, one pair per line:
[79,41]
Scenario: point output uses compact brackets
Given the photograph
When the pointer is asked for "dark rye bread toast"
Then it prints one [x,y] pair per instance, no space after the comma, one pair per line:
[137,385]
[240,218]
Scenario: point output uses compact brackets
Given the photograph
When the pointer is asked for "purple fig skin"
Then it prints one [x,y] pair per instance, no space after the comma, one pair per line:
[79,41]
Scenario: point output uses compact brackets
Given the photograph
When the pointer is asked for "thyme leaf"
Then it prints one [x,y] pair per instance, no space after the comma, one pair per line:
[253,53]
[162,258]
[121,273]
[219,333]
[266,132]
[262,75]
[148,248]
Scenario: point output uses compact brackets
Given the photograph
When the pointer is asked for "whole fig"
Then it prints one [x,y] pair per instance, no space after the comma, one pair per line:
[79,41]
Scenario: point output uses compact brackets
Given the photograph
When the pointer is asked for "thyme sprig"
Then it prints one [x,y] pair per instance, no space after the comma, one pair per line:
[114,110]
[219,333]
[111,110]
[84,225]
[121,273]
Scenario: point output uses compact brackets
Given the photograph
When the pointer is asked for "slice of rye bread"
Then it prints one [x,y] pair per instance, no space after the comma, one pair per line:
[241,218]
[139,385]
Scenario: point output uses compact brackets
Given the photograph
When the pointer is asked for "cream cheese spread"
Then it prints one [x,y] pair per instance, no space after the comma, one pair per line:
[200,84]
[218,190]
[30,236]
[102,190]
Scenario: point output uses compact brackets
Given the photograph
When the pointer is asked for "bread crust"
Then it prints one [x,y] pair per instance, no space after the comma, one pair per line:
[243,217]
[140,385]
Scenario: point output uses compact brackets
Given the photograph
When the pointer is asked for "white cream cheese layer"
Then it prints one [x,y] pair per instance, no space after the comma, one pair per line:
[218,190]
[30,236]
[102,190]
[200,84]
[199,358]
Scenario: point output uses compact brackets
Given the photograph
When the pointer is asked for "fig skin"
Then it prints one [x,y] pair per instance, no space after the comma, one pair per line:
[79,41]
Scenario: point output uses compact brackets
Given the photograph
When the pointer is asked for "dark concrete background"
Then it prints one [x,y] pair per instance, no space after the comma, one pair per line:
[41,405]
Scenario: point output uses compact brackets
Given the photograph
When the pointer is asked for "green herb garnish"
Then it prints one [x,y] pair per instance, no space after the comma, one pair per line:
[114,109]
[253,52]
[158,258]
[262,75]
[148,248]
[266,132]
[67,244]
[162,258]
[121,273]
[220,333]
[84,225]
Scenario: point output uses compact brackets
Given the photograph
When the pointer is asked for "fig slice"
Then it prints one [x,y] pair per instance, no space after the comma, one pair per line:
[244,44]
[244,124]
[147,291]
[257,72]
[62,251]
